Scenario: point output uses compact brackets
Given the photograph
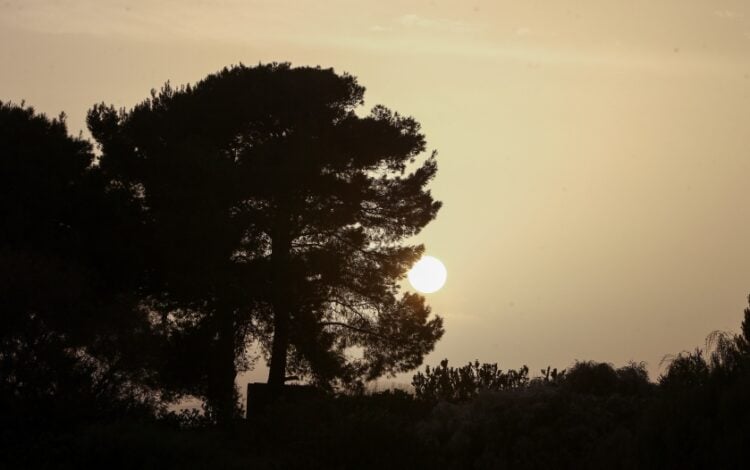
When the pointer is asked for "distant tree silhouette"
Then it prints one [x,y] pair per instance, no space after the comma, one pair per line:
[67,323]
[596,378]
[686,370]
[459,384]
[602,379]
[726,358]
[550,375]
[701,418]
[278,213]
[462,383]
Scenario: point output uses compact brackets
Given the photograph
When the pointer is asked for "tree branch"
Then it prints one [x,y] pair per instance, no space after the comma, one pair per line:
[354,328]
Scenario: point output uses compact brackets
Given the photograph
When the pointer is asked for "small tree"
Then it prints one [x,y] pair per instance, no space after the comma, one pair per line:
[278,210]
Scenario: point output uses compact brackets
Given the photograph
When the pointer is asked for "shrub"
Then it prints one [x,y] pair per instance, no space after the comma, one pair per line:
[460,384]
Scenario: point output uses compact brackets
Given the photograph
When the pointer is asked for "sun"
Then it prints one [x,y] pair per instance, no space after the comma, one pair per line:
[428,275]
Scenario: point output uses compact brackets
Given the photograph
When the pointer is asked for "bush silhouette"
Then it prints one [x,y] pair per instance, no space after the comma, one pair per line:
[459,384]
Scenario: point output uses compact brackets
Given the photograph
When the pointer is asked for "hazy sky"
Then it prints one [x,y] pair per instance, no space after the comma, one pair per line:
[594,155]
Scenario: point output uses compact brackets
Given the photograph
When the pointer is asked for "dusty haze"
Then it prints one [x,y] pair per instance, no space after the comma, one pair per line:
[594,156]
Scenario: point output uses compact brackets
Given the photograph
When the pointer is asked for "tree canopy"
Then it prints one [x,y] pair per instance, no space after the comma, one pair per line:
[277,213]
[68,323]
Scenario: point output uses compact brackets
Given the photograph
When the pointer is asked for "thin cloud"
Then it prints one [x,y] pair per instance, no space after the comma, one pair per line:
[438,24]
[726,14]
[380,29]
[523,31]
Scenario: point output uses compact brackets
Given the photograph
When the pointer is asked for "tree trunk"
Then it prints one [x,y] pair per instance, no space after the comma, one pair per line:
[281,303]
[277,369]
[222,392]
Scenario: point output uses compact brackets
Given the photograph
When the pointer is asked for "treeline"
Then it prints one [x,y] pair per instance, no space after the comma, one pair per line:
[594,415]
[589,416]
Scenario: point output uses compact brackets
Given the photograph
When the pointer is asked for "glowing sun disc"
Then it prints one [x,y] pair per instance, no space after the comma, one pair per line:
[428,275]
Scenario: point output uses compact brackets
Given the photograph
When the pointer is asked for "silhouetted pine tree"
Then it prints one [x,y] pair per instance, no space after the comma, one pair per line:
[276,210]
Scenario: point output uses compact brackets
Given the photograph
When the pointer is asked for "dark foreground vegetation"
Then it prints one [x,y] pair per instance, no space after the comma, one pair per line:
[258,209]
[590,416]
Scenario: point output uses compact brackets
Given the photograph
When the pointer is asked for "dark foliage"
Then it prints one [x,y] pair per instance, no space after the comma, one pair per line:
[593,416]
[459,384]
[604,380]
[275,213]
[68,326]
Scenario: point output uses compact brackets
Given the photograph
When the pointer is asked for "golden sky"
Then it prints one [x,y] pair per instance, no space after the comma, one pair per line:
[594,155]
